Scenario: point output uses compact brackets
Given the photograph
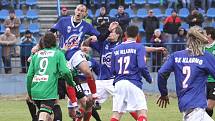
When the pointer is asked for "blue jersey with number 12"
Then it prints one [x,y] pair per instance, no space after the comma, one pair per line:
[191,74]
[128,63]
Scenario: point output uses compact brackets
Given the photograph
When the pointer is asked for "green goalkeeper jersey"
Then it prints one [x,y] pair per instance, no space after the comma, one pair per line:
[211,48]
[46,66]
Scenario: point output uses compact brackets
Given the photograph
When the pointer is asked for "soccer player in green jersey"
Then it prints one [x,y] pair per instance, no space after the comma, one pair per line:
[47,65]
[211,82]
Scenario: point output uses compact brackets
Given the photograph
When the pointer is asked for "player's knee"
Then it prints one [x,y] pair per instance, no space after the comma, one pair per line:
[44,116]
[89,103]
[71,112]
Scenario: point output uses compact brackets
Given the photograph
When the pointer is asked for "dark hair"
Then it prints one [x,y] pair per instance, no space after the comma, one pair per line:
[210,31]
[174,11]
[41,44]
[11,11]
[49,40]
[132,31]
[180,29]
[28,32]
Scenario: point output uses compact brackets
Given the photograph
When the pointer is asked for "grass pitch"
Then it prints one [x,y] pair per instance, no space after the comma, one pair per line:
[15,109]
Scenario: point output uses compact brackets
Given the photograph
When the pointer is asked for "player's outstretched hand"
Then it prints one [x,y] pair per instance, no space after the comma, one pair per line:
[113,25]
[35,49]
[163,101]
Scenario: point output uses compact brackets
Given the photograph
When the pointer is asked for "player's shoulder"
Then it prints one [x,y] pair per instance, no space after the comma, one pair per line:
[208,54]
[180,53]
[65,19]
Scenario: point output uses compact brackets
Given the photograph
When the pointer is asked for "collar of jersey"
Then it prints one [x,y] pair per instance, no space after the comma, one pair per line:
[210,45]
[128,41]
[73,23]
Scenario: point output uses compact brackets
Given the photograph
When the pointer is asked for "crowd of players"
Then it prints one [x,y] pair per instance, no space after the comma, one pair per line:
[119,73]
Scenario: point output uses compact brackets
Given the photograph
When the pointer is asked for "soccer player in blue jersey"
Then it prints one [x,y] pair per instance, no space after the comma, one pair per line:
[73,29]
[104,82]
[128,67]
[191,68]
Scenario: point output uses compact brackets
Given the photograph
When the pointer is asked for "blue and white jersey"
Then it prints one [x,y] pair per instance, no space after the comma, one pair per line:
[74,33]
[104,48]
[128,63]
[191,73]
[94,66]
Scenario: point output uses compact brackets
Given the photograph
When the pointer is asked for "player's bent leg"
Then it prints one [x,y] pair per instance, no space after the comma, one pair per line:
[95,114]
[44,116]
[116,116]
[142,115]
[57,113]
[45,109]
[84,68]
[32,109]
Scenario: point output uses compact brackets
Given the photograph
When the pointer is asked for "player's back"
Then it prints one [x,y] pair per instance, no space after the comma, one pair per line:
[191,73]
[46,71]
[128,61]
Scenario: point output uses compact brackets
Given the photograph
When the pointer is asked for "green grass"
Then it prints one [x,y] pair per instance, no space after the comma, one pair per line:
[16,110]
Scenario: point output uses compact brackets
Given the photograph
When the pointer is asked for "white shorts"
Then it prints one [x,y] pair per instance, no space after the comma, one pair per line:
[128,97]
[86,92]
[104,89]
[197,114]
[76,59]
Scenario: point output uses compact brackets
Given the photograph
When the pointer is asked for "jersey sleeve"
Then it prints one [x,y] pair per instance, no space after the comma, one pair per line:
[95,66]
[163,75]
[30,75]
[58,26]
[92,30]
[97,46]
[64,70]
[142,65]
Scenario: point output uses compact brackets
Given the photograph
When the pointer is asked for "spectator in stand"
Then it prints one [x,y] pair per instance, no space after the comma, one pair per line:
[7,41]
[87,3]
[195,18]
[107,4]
[103,21]
[27,43]
[171,25]
[202,4]
[157,40]
[209,3]
[186,3]
[180,40]
[150,23]
[122,18]
[64,13]
[13,23]
[172,4]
